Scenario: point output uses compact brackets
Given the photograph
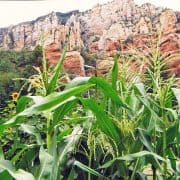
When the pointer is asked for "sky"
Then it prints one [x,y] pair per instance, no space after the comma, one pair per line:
[13,12]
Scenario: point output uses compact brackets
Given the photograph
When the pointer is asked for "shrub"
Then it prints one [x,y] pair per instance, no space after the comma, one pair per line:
[15,65]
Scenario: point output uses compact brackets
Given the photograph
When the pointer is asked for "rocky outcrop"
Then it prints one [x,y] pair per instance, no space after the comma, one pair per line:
[73,63]
[53,28]
[103,30]
[118,20]
[103,66]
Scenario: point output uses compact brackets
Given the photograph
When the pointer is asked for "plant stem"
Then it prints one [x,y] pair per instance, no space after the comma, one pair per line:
[45,72]
[154,172]
[164,141]
[154,139]
[126,171]
[89,165]
[134,171]
[48,133]
[164,153]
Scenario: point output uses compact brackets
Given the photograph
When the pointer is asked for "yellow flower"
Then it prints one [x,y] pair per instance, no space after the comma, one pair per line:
[9,130]
[35,83]
[15,96]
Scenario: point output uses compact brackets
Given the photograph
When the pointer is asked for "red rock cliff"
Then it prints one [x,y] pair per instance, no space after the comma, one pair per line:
[103,31]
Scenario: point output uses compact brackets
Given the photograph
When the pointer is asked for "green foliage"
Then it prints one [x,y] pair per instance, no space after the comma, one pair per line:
[7,85]
[15,65]
[94,128]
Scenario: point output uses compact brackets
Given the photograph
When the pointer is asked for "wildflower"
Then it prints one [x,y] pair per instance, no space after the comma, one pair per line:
[9,130]
[35,83]
[15,96]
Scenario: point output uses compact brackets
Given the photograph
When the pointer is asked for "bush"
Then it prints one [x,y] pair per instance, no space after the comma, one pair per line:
[15,65]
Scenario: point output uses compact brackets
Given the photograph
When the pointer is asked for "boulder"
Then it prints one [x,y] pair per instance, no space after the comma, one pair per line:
[73,63]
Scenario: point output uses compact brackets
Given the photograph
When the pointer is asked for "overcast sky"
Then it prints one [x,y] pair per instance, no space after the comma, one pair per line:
[13,12]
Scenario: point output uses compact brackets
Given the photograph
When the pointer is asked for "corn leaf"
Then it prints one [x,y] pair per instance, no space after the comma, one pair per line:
[88,169]
[49,103]
[16,174]
[103,121]
[108,91]
[53,81]
[114,72]
[46,161]
[176,92]
[131,157]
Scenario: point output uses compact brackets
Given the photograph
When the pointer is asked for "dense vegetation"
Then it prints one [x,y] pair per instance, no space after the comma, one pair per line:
[123,127]
[14,65]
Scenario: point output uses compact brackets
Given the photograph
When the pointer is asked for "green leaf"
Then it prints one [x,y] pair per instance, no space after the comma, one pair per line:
[114,76]
[17,156]
[176,92]
[48,103]
[172,158]
[62,110]
[145,139]
[67,147]
[77,81]
[132,157]
[26,157]
[132,101]
[19,174]
[1,154]
[53,81]
[173,113]
[141,89]
[53,100]
[114,73]
[21,104]
[32,131]
[108,91]
[71,175]
[70,142]
[46,163]
[88,169]
[64,133]
[172,133]
[4,175]
[76,120]
[103,121]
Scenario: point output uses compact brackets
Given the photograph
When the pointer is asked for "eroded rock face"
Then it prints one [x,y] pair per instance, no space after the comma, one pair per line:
[53,28]
[168,20]
[103,66]
[73,63]
[53,54]
[118,20]
[103,30]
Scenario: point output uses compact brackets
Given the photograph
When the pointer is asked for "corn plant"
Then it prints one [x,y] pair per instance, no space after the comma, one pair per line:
[98,128]
[137,129]
[51,107]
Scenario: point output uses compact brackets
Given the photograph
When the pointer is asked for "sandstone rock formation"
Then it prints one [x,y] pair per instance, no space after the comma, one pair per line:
[103,30]
[52,28]
[73,63]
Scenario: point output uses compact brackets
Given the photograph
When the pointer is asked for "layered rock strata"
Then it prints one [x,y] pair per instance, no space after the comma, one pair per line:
[103,30]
